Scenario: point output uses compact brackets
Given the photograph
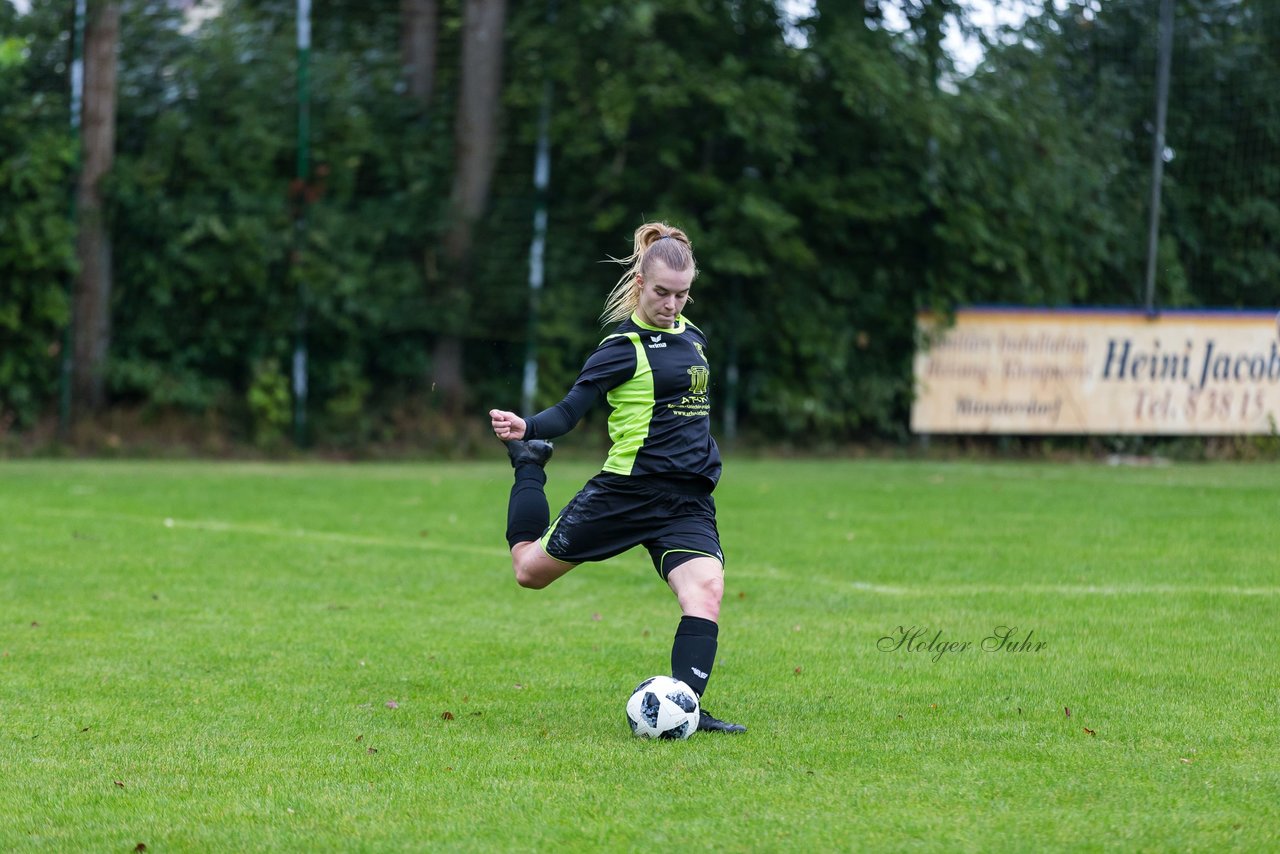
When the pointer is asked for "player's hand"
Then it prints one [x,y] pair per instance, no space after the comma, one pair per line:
[506,425]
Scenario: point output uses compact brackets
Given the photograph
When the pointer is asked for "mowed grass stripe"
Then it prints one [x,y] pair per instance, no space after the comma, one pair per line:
[747,570]
[220,526]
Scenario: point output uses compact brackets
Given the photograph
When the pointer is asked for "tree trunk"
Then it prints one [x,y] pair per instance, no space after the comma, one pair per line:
[475,138]
[418,28]
[92,301]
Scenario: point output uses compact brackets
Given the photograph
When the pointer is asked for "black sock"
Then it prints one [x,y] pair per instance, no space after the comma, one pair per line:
[527,512]
[694,651]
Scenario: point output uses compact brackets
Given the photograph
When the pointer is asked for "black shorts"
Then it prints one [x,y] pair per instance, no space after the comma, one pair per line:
[614,513]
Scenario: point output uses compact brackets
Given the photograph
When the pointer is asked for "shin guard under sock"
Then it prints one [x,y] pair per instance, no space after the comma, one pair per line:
[527,512]
[694,651]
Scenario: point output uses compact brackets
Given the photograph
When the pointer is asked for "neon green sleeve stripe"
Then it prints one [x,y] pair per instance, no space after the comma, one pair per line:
[632,404]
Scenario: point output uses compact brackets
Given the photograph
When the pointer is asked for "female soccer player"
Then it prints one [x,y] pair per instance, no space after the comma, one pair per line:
[655,489]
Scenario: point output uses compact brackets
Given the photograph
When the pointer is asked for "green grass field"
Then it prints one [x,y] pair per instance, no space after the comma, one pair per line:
[235,657]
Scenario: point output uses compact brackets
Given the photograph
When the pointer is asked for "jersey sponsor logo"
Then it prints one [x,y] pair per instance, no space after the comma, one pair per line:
[699,375]
[658,343]
[695,402]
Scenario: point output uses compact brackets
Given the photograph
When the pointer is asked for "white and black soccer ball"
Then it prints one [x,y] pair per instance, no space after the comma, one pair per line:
[662,707]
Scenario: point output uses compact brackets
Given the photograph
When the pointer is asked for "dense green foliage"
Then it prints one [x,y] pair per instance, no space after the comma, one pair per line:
[36,234]
[835,174]
[309,657]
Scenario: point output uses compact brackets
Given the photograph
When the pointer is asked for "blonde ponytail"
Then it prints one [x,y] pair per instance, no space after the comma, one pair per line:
[675,252]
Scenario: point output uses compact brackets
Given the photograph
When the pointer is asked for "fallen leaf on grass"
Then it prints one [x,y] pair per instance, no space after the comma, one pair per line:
[34,624]
[446,716]
[742,594]
[595,618]
[1067,709]
[392,704]
[1091,732]
[120,784]
[141,846]
[797,671]
[359,738]
[371,750]
[1185,761]
[86,729]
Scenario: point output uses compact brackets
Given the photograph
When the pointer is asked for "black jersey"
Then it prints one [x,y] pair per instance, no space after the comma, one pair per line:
[657,382]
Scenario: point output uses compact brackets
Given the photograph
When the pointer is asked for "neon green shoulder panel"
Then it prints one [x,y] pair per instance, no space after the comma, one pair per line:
[632,404]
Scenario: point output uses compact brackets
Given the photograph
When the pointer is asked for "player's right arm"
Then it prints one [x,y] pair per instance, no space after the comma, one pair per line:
[507,426]
[612,363]
[549,423]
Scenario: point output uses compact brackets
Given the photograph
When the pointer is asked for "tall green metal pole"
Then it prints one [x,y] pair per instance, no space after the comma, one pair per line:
[77,104]
[300,223]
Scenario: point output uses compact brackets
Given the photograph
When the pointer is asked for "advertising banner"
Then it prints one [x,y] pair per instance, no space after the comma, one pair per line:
[1081,371]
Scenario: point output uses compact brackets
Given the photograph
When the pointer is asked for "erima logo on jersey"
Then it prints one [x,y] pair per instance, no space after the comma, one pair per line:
[658,343]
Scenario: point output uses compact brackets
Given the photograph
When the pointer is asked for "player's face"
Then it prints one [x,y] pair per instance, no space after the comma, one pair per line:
[663,293]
